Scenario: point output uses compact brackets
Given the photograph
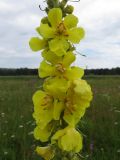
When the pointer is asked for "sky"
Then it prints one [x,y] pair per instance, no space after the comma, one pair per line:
[99,18]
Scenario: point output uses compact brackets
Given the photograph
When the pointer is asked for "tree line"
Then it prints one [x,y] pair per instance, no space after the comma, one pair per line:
[27,71]
[106,71]
[17,72]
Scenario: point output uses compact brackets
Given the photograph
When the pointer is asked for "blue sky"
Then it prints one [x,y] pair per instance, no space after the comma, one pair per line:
[100,19]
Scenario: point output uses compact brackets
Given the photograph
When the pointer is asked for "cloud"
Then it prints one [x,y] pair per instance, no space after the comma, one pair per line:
[100,18]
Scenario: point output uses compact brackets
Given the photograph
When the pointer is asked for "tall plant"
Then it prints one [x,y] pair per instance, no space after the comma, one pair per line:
[62,102]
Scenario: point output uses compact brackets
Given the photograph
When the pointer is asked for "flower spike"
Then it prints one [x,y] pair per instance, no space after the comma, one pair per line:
[64,96]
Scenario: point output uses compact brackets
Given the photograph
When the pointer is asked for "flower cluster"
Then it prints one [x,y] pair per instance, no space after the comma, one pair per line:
[59,106]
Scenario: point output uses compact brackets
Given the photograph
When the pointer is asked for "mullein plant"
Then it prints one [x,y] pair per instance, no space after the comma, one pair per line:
[65,96]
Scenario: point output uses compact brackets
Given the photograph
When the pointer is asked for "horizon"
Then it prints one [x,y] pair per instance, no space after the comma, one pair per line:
[84,69]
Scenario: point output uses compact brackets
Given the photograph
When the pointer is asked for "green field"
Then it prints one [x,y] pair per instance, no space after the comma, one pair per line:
[100,126]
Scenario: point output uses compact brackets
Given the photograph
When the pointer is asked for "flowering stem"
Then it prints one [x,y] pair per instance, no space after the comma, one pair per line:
[61,103]
[56,3]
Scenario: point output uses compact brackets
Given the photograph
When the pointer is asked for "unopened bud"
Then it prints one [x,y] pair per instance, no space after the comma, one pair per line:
[63,3]
[64,14]
[72,48]
[69,9]
[44,20]
[46,10]
[50,3]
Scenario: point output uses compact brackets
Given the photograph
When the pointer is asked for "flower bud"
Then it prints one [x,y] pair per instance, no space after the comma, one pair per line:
[46,10]
[72,48]
[50,3]
[64,14]
[44,20]
[63,3]
[69,9]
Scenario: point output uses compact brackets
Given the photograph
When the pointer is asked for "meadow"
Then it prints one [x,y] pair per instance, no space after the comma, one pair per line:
[100,126]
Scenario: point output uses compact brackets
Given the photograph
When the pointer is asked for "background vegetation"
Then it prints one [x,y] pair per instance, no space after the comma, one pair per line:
[26,71]
[100,126]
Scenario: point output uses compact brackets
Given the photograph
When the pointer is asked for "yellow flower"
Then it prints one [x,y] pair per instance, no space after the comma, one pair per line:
[83,93]
[45,152]
[61,31]
[43,108]
[68,139]
[78,99]
[60,67]
[56,87]
[46,109]
[43,134]
[52,58]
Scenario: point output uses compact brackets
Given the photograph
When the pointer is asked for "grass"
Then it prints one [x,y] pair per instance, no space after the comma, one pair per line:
[100,126]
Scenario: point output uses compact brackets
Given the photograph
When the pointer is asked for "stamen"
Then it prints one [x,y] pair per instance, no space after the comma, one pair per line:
[60,67]
[47,100]
[61,30]
[69,106]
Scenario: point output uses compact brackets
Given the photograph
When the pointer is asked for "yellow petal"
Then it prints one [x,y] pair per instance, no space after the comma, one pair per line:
[57,87]
[58,108]
[37,44]
[57,135]
[68,59]
[43,117]
[55,16]
[83,91]
[70,21]
[45,152]
[42,134]
[45,70]
[60,52]
[46,31]
[51,57]
[73,118]
[59,46]
[76,34]
[72,141]
[43,108]
[38,98]
[68,139]
[74,73]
